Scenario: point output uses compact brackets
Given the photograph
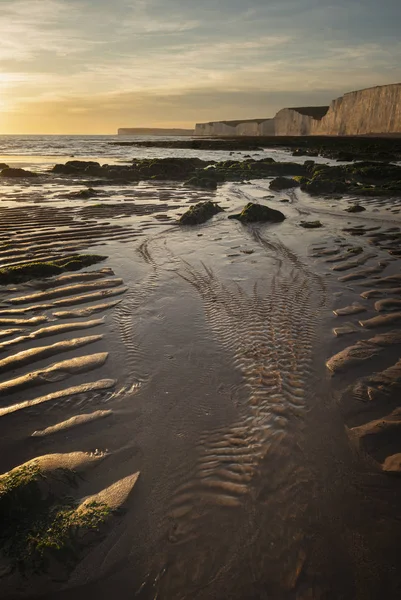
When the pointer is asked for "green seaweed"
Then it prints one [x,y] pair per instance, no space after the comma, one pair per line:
[200,213]
[37,525]
[26,271]
[17,488]
[301,179]
[59,531]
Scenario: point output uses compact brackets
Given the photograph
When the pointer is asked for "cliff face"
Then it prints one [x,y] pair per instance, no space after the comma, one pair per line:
[267,127]
[252,127]
[247,128]
[298,121]
[374,110]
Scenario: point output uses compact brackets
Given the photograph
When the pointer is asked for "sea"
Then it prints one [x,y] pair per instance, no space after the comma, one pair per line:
[41,152]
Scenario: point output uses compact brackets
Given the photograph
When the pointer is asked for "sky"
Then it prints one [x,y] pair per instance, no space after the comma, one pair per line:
[92,66]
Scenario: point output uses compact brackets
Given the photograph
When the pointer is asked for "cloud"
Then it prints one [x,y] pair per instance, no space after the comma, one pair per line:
[31,27]
[93,59]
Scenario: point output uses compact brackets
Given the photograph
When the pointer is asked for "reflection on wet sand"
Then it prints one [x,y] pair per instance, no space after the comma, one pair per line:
[264,473]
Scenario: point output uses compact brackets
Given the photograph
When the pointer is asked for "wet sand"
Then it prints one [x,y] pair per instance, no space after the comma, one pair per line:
[207,360]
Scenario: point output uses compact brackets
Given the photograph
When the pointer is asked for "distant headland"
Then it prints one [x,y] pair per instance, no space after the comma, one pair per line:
[154,131]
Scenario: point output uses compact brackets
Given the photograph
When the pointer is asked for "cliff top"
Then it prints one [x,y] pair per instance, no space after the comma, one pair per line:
[316,112]
[239,122]
[374,87]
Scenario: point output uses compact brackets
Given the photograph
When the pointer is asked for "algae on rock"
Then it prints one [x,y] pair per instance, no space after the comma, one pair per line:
[355,208]
[311,224]
[283,183]
[253,213]
[41,525]
[26,271]
[200,213]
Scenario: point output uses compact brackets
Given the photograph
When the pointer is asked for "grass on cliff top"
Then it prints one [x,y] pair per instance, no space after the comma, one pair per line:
[26,271]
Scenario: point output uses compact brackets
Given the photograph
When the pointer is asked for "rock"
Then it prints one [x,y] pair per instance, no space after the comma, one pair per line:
[253,213]
[345,157]
[83,194]
[207,181]
[200,213]
[310,224]
[8,172]
[73,167]
[3,166]
[317,187]
[283,183]
[355,208]
[27,271]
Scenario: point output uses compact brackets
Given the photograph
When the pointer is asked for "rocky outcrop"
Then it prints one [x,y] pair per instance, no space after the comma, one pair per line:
[9,172]
[255,213]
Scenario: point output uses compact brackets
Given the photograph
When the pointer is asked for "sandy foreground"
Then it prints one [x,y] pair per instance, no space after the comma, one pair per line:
[231,392]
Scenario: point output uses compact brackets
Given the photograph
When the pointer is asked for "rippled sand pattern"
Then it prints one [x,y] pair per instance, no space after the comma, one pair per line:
[270,339]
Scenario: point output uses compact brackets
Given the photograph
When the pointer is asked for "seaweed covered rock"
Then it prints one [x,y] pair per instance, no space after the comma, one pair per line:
[373,172]
[317,186]
[355,208]
[283,183]
[26,271]
[168,169]
[42,524]
[311,224]
[75,167]
[16,173]
[205,179]
[232,170]
[205,183]
[200,213]
[3,166]
[253,213]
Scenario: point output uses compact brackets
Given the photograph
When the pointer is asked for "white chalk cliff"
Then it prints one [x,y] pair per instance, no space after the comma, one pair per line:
[375,111]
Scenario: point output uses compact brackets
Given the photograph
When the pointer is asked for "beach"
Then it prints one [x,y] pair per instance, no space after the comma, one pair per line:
[225,394]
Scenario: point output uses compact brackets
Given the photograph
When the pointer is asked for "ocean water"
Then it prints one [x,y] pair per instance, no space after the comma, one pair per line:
[43,151]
